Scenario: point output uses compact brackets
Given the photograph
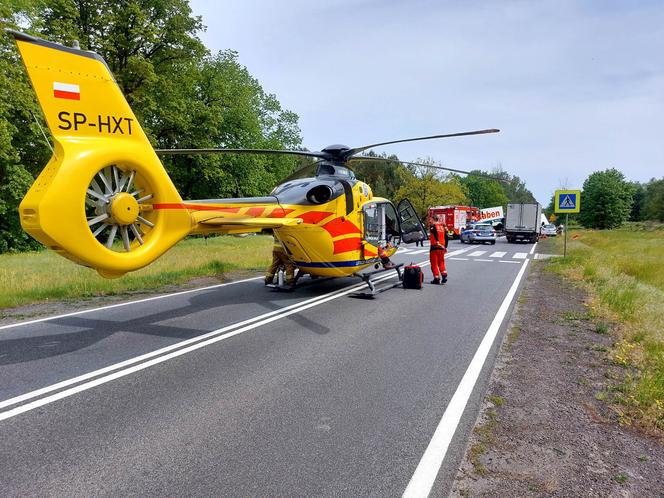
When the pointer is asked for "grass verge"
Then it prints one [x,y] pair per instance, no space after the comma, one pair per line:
[623,271]
[41,276]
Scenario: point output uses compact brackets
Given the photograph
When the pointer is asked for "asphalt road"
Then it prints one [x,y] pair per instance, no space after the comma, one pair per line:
[237,390]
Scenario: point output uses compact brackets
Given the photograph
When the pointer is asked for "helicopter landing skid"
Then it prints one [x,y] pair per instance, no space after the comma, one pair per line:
[373,290]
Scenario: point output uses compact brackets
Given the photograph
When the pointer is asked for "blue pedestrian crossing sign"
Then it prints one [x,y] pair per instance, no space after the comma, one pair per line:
[567,201]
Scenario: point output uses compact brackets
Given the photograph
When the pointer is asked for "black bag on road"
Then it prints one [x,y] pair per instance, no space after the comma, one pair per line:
[412,277]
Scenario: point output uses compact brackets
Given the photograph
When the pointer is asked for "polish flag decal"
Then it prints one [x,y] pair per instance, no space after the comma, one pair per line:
[66,91]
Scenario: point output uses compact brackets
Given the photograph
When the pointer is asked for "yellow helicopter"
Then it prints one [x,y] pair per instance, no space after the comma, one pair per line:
[104,200]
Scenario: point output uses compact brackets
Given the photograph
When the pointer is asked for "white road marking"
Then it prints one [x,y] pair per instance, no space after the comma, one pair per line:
[200,342]
[458,259]
[425,474]
[111,306]
[458,251]
[533,249]
[512,262]
[420,251]
[485,260]
[477,253]
[520,255]
[497,254]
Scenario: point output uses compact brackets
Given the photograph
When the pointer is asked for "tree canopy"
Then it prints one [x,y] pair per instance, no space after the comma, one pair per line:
[606,200]
[425,186]
[184,97]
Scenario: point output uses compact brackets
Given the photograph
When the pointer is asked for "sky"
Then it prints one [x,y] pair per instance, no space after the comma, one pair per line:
[574,86]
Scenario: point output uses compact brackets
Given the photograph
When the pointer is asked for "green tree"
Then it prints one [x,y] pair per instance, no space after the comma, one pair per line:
[384,177]
[606,200]
[638,202]
[484,192]
[425,188]
[653,206]
[23,148]
[514,188]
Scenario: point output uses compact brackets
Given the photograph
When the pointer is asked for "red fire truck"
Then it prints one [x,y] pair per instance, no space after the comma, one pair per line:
[455,218]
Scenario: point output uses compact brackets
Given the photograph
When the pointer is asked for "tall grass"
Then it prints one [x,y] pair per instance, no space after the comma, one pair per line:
[624,272]
[39,276]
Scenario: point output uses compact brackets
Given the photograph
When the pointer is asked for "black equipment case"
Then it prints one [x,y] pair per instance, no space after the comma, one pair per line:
[412,277]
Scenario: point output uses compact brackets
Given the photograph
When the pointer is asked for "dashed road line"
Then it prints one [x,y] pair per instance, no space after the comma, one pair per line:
[520,255]
[477,253]
[497,254]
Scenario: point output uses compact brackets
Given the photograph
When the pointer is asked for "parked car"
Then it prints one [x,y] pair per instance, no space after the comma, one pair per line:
[478,233]
[549,230]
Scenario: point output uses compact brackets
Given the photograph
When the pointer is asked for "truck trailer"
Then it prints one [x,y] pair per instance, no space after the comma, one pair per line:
[522,222]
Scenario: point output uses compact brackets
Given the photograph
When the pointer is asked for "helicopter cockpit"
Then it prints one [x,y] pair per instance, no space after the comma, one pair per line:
[329,169]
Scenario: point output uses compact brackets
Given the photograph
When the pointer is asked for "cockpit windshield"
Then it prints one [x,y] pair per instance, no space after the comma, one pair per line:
[327,169]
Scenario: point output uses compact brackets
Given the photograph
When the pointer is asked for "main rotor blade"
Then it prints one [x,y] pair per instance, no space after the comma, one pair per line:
[384,159]
[183,152]
[357,150]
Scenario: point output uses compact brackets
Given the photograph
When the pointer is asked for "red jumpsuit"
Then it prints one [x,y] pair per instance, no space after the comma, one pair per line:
[437,252]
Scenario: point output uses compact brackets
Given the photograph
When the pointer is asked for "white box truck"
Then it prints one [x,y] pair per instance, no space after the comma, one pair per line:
[522,222]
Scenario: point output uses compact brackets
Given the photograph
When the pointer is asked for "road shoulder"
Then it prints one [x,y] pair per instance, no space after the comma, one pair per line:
[543,428]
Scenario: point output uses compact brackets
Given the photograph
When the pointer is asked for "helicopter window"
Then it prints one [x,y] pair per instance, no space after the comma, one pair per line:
[372,224]
[381,224]
[339,171]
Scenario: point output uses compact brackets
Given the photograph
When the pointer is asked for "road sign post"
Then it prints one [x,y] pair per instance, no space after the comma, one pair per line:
[567,201]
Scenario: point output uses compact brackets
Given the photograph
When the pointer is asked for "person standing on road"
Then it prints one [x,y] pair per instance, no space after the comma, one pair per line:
[438,247]
[280,260]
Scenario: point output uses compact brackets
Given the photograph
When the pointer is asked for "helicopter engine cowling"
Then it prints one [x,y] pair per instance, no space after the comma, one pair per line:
[320,194]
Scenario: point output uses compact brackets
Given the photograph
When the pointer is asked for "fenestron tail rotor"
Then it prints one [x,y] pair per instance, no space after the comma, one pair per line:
[116,205]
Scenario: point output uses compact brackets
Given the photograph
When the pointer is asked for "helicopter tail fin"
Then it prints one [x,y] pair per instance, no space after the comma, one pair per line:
[97,200]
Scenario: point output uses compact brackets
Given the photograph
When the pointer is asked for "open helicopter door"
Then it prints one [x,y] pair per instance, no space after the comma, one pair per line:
[411,226]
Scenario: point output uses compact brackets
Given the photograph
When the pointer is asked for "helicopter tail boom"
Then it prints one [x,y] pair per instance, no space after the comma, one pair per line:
[94,201]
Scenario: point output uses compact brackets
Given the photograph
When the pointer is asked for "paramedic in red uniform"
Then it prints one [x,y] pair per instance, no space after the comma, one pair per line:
[438,240]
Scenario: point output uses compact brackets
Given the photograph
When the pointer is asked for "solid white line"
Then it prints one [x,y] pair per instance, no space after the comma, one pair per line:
[534,246]
[131,361]
[520,255]
[118,305]
[212,337]
[477,253]
[425,475]
[497,254]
